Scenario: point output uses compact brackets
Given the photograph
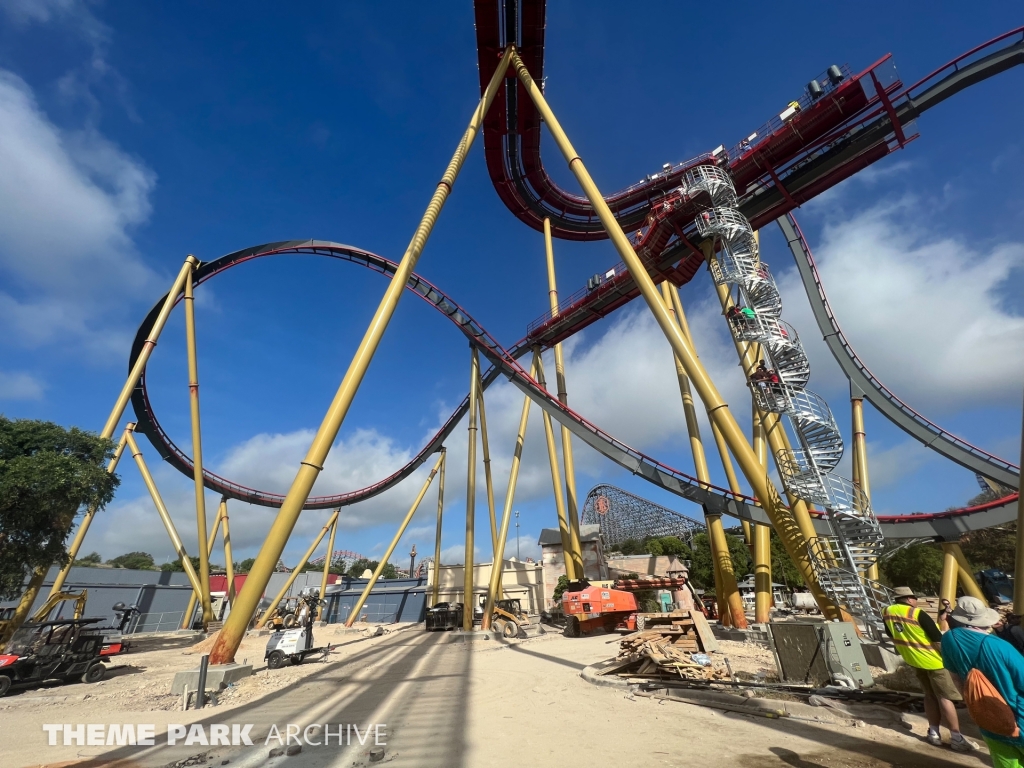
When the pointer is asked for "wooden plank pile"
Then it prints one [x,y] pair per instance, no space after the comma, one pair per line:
[665,650]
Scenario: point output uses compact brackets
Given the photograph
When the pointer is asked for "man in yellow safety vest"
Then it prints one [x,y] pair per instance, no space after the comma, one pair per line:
[919,642]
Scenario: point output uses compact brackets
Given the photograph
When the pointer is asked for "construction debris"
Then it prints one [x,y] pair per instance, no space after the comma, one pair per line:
[677,648]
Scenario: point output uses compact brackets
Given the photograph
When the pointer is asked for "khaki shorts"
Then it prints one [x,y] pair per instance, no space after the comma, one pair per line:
[938,683]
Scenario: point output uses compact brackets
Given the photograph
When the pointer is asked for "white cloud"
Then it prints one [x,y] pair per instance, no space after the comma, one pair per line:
[67,203]
[922,310]
[18,385]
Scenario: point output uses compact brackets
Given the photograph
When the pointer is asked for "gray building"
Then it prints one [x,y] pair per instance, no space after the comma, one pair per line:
[390,601]
[161,596]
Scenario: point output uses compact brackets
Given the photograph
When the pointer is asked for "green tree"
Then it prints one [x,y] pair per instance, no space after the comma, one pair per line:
[89,561]
[357,568]
[560,587]
[47,474]
[631,547]
[245,566]
[991,548]
[701,566]
[175,565]
[338,567]
[142,561]
[784,571]
[918,566]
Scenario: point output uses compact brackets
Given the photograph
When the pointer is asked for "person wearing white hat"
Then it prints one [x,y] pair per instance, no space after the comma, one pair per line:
[971,645]
[917,639]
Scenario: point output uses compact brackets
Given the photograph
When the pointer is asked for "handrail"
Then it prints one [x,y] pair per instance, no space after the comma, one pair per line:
[956,62]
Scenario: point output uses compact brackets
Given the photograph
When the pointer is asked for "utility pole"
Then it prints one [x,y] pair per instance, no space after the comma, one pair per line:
[517,535]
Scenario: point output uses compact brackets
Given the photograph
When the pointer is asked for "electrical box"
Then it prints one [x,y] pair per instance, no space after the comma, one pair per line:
[816,653]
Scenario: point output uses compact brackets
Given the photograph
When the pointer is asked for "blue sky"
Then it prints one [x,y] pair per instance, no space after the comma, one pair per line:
[132,134]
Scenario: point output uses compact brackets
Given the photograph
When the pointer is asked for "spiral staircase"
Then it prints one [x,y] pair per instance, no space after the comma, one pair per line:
[839,560]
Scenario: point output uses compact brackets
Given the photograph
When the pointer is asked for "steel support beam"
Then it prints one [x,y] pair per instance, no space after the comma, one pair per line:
[498,564]
[298,569]
[435,587]
[165,516]
[556,481]
[394,543]
[197,447]
[571,503]
[234,629]
[467,578]
[731,601]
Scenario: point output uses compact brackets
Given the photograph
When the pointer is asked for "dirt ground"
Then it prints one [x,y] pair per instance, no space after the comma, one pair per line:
[450,703]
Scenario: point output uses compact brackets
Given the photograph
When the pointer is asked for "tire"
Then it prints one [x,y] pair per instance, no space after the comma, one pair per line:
[275,660]
[296,659]
[290,621]
[510,630]
[94,673]
[5,685]
[572,627]
[641,622]
[610,625]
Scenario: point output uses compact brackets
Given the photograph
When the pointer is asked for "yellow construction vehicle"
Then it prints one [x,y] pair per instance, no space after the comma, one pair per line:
[55,599]
[508,618]
[46,608]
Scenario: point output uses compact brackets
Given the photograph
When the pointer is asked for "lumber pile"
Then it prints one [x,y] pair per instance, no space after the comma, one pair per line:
[667,649]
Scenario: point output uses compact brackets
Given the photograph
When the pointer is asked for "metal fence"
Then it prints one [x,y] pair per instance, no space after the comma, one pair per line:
[168,621]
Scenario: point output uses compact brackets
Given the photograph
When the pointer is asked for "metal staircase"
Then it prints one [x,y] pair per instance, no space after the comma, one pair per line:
[838,560]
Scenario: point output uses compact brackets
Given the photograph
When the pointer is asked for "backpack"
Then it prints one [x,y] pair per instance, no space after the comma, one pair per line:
[987,706]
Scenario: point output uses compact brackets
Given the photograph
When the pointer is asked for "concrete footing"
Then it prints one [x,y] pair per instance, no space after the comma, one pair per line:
[217,676]
[755,633]
[879,656]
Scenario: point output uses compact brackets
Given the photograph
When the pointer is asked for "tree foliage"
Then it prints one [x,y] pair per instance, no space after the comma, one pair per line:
[991,548]
[560,587]
[918,566]
[142,561]
[89,561]
[245,566]
[175,565]
[360,565]
[702,567]
[47,474]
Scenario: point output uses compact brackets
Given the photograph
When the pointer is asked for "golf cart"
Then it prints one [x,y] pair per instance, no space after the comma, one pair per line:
[65,649]
[296,644]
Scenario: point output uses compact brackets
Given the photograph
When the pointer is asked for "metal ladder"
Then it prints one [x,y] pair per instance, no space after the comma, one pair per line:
[840,559]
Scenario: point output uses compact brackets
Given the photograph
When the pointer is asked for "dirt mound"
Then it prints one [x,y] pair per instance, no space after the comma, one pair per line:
[205,646]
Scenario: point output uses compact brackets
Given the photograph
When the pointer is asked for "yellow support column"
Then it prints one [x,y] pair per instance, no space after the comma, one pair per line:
[966,577]
[161,509]
[394,543]
[197,447]
[231,635]
[327,569]
[297,570]
[467,579]
[860,459]
[498,564]
[764,597]
[487,464]
[731,602]
[186,619]
[947,585]
[794,539]
[83,527]
[436,586]
[108,430]
[229,564]
[556,481]
[567,459]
